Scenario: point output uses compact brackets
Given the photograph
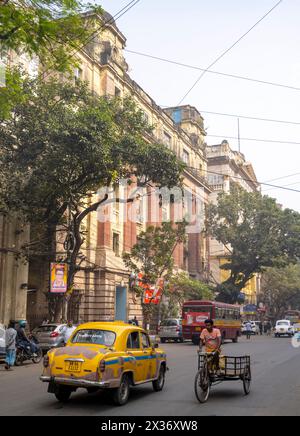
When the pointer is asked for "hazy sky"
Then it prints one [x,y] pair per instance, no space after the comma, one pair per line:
[195,32]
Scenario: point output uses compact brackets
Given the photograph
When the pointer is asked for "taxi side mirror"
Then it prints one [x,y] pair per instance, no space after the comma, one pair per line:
[156,345]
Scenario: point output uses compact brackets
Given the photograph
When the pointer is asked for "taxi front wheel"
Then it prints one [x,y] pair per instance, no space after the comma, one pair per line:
[121,394]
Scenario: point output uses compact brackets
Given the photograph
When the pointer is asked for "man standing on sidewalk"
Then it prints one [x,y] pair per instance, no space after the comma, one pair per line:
[10,341]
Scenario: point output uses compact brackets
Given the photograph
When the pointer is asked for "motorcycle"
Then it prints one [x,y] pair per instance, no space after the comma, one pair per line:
[24,353]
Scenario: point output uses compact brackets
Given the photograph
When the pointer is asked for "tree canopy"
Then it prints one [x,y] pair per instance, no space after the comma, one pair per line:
[182,288]
[258,234]
[281,290]
[63,143]
[51,30]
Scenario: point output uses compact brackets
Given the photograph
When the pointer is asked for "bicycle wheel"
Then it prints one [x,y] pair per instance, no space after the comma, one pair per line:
[202,385]
[247,380]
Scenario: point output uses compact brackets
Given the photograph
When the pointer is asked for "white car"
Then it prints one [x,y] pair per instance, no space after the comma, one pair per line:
[2,342]
[254,327]
[284,327]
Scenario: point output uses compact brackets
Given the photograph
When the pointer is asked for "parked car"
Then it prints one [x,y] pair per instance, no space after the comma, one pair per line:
[50,336]
[171,330]
[284,327]
[254,327]
[2,342]
[109,356]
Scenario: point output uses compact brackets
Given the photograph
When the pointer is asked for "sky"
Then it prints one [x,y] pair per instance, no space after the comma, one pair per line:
[196,32]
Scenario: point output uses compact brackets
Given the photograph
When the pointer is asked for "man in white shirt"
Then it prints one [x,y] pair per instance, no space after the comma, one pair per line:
[68,331]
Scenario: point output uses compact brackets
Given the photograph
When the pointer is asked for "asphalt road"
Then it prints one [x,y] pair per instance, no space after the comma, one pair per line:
[275,389]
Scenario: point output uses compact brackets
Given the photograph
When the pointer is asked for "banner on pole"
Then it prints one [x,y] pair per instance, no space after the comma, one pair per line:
[58,278]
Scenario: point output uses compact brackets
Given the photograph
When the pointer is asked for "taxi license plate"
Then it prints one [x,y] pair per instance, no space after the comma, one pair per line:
[73,366]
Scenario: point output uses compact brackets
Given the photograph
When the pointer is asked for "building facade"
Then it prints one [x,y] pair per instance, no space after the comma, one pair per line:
[104,289]
[13,269]
[227,167]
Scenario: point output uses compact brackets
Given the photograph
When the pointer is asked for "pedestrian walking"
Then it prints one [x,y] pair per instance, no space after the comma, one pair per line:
[248,329]
[10,344]
[261,328]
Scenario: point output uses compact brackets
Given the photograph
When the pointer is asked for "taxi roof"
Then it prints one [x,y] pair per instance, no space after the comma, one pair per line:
[116,326]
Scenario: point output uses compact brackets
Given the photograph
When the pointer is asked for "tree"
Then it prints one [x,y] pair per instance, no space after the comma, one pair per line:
[48,32]
[51,30]
[61,145]
[281,290]
[257,233]
[182,288]
[152,257]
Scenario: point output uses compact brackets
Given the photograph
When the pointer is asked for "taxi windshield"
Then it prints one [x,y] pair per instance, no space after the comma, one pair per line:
[97,337]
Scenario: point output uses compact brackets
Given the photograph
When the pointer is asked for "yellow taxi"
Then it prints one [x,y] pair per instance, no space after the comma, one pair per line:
[112,356]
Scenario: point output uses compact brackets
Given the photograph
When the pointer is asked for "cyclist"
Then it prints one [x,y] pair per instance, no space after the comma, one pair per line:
[211,338]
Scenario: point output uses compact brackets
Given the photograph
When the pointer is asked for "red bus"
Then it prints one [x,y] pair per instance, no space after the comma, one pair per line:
[226,317]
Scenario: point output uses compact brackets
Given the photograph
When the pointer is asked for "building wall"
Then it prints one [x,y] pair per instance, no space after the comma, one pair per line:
[13,270]
[110,77]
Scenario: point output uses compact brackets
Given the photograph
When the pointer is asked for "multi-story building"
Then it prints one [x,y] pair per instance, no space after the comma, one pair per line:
[227,167]
[101,290]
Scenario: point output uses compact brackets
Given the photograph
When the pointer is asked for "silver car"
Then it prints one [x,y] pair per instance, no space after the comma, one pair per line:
[50,336]
[171,329]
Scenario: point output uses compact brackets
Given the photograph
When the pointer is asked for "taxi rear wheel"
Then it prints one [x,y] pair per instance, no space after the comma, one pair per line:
[158,384]
[63,394]
[121,394]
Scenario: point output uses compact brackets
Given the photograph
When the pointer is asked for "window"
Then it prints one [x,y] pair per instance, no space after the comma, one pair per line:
[167,139]
[186,157]
[98,337]
[146,117]
[117,92]
[78,75]
[116,244]
[145,341]
[133,341]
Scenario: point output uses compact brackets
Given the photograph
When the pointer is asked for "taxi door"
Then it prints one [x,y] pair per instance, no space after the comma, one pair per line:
[150,368]
[136,356]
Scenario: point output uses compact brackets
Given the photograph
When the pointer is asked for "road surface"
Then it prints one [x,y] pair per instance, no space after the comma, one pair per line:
[275,389]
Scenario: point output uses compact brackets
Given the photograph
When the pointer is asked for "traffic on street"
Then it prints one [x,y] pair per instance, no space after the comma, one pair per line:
[275,387]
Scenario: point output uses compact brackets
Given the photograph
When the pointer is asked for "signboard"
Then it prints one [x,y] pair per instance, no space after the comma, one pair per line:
[153,294]
[196,318]
[250,309]
[58,278]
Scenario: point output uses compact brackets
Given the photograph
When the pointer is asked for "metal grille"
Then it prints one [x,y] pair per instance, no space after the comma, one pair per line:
[232,366]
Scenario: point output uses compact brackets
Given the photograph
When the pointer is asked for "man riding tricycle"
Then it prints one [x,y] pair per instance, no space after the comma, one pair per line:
[214,368]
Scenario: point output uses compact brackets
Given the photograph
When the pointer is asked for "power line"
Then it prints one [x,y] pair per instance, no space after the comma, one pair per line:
[245,179]
[232,76]
[290,184]
[283,177]
[246,117]
[229,49]
[256,139]
[111,20]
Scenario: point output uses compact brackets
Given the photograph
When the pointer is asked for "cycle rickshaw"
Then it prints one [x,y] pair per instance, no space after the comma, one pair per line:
[231,369]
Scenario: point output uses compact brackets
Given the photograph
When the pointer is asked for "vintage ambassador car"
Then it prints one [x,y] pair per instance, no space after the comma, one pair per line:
[112,356]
